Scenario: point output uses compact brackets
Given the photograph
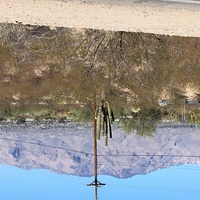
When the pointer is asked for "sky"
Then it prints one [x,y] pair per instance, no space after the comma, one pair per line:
[177,183]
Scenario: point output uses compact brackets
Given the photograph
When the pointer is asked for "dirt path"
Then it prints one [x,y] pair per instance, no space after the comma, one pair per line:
[136,16]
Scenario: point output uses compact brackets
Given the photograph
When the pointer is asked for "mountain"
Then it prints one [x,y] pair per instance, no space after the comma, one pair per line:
[67,148]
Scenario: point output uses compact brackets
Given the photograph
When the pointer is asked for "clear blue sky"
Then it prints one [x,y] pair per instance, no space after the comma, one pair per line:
[175,183]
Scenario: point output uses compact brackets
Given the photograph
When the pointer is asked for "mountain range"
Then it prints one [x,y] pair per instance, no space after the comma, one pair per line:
[67,148]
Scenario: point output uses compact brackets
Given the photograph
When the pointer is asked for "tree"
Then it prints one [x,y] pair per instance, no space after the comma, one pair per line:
[143,123]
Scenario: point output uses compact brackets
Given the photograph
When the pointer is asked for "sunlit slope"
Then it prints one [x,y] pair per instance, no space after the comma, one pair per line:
[68,149]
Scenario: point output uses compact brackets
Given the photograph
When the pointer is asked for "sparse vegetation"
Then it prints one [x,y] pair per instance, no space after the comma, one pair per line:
[70,66]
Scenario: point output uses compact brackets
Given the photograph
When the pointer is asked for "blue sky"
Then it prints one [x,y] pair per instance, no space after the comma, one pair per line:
[177,183]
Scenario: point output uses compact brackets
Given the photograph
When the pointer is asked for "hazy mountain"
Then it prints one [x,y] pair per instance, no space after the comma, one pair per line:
[68,149]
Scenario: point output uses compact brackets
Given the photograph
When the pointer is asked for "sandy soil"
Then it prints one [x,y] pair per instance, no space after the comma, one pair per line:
[130,15]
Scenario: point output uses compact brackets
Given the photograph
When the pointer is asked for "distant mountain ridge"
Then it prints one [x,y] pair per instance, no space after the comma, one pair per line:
[68,149]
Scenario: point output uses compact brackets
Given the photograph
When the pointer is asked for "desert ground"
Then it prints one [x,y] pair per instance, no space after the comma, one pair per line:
[160,17]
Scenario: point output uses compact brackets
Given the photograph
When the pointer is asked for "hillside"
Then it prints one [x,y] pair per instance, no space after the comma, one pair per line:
[68,149]
[40,65]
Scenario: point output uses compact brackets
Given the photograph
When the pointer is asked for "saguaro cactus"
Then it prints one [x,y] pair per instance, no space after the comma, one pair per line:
[105,118]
